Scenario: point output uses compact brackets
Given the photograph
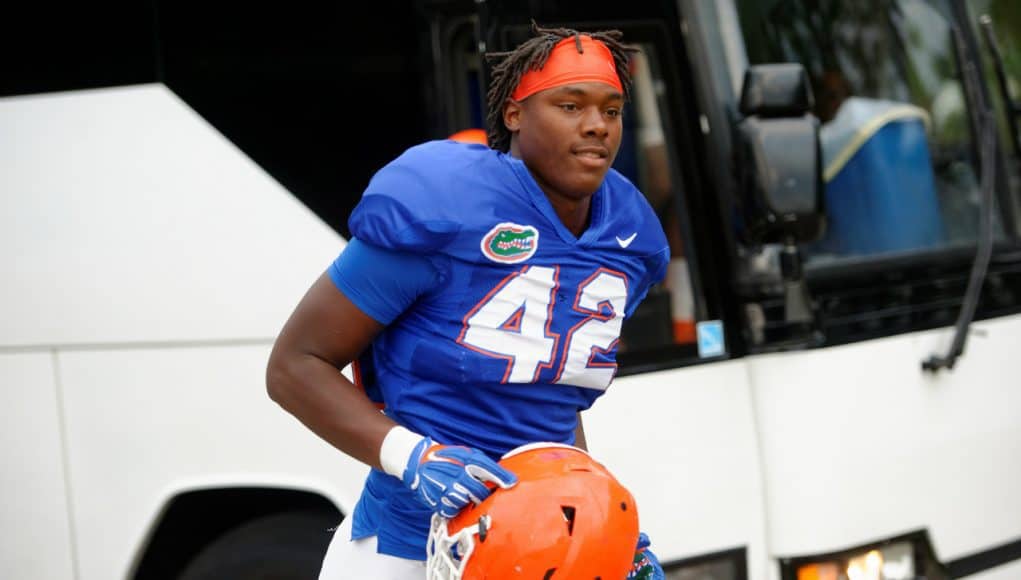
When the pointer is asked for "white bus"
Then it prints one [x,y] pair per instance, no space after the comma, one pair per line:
[826,386]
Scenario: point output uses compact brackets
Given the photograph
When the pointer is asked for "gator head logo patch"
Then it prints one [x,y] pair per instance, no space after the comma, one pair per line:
[509,243]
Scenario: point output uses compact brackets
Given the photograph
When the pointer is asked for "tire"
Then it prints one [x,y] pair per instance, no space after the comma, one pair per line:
[283,546]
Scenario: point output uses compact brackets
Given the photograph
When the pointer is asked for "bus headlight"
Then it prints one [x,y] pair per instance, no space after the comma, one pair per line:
[901,558]
[891,562]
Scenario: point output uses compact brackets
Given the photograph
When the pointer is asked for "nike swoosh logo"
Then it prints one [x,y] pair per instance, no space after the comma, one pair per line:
[431,456]
[625,242]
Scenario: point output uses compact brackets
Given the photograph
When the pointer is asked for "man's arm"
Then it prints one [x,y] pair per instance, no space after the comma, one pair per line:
[324,334]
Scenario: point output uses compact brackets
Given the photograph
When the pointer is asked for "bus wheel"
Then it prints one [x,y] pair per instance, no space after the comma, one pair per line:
[284,546]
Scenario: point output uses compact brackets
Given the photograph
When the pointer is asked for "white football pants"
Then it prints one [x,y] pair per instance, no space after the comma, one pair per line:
[356,560]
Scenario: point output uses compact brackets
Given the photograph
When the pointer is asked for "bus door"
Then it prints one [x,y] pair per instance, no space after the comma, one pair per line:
[664,400]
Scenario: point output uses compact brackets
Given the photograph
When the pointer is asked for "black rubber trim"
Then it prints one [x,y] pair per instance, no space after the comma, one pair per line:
[984,560]
[736,557]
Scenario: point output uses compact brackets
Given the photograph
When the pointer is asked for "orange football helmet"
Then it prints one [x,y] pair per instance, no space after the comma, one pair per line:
[567,517]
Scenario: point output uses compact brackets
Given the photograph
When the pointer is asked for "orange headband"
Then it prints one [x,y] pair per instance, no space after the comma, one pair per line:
[566,65]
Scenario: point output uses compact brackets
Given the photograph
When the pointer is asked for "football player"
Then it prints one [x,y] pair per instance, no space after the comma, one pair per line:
[482,296]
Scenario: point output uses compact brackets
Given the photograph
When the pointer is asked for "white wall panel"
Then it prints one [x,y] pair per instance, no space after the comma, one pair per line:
[144,424]
[35,536]
[684,443]
[859,443]
[125,217]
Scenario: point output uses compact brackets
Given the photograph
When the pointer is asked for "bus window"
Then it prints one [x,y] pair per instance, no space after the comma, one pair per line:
[1004,17]
[667,319]
[900,168]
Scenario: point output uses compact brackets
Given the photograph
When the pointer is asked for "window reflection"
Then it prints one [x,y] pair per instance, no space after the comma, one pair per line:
[900,169]
[644,159]
[1005,23]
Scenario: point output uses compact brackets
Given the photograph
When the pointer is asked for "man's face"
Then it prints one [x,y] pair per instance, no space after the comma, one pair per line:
[567,136]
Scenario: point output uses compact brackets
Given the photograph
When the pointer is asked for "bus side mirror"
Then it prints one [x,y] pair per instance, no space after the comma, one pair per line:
[779,160]
[780,170]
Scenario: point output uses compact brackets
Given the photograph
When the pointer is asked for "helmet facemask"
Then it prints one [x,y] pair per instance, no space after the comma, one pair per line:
[449,554]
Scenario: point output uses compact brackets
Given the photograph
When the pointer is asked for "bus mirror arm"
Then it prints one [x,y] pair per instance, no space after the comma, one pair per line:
[797,305]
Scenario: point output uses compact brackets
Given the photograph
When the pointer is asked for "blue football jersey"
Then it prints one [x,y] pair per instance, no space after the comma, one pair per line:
[522,331]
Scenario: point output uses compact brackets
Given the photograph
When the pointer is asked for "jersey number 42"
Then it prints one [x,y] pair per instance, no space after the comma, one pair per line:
[513,322]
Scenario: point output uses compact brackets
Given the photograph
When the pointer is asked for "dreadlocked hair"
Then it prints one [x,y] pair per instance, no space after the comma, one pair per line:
[509,67]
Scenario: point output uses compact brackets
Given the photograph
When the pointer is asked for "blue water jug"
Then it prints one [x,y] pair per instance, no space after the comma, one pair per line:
[879,185]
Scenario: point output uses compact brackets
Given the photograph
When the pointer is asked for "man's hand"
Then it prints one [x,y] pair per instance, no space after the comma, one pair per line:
[448,477]
[646,565]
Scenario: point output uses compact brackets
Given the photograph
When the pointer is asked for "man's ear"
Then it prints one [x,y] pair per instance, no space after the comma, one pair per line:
[512,115]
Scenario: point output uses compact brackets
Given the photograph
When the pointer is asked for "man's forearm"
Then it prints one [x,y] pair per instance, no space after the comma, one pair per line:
[330,405]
